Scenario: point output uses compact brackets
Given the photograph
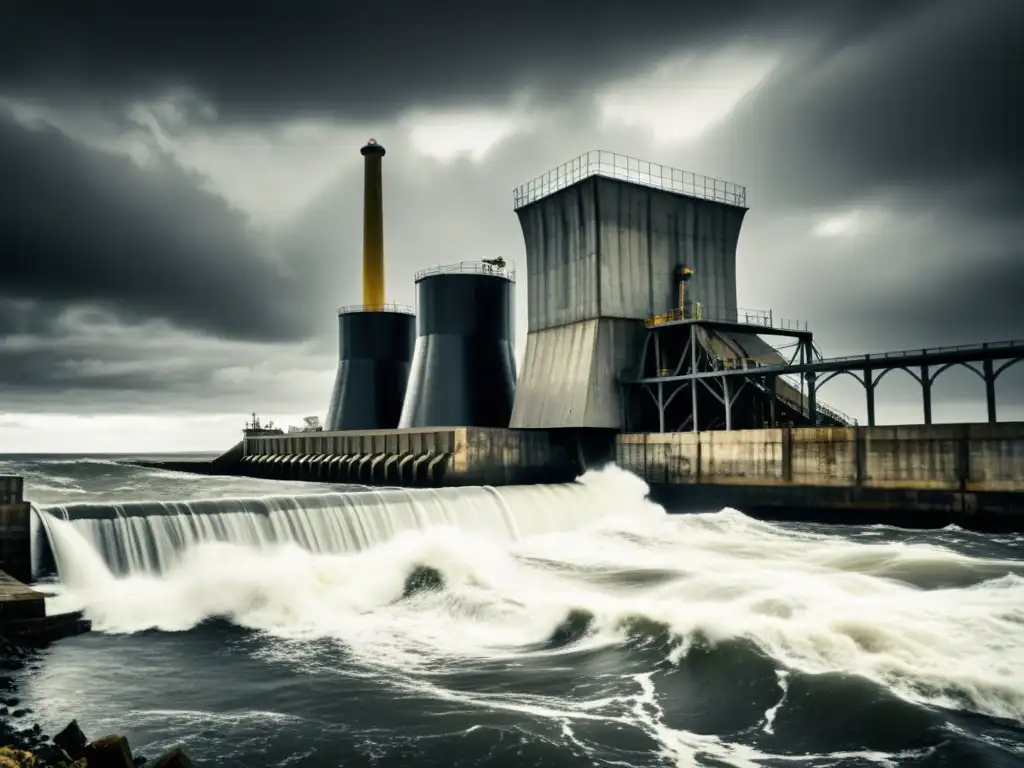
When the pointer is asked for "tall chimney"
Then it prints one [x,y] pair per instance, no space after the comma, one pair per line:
[373,226]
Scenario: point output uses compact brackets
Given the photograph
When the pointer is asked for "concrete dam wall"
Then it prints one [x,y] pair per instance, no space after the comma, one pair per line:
[970,473]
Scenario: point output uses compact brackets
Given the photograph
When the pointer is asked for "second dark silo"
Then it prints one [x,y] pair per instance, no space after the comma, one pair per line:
[463,369]
[375,348]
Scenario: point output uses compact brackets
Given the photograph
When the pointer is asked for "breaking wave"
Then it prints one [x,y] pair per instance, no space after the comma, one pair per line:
[419,585]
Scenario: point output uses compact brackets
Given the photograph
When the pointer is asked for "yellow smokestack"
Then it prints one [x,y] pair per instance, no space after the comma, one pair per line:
[373,226]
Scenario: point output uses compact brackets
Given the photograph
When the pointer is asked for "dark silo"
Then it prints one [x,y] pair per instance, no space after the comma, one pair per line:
[463,371]
[374,353]
[375,340]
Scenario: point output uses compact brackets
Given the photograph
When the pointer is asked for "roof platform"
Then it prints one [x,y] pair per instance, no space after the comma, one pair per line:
[757,321]
[611,165]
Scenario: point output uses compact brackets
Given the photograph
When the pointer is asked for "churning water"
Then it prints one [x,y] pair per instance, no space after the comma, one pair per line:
[266,623]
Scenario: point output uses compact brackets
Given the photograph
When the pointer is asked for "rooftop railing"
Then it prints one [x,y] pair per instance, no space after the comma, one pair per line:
[469,267]
[697,311]
[404,309]
[599,162]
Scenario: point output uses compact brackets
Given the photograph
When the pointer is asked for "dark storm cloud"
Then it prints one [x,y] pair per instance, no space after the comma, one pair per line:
[928,102]
[268,61]
[887,101]
[81,226]
[980,302]
[921,121]
[81,360]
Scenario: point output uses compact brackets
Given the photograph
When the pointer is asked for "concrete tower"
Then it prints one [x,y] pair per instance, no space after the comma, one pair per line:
[606,237]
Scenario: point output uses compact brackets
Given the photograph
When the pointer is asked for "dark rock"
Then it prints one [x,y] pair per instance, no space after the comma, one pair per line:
[140,760]
[37,728]
[172,758]
[109,752]
[71,740]
[10,701]
[3,712]
[19,713]
[423,579]
[53,755]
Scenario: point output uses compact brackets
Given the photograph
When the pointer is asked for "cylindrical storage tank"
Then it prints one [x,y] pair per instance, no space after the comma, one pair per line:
[463,370]
[374,353]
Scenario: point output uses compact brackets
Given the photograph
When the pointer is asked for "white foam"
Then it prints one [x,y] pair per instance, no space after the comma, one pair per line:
[517,561]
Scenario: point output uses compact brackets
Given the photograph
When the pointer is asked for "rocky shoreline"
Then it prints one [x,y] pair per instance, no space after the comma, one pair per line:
[23,744]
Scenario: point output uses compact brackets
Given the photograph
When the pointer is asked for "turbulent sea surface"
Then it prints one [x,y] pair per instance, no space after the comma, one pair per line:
[265,623]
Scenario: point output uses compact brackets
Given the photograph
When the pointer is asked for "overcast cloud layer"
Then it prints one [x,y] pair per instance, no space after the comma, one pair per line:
[180,195]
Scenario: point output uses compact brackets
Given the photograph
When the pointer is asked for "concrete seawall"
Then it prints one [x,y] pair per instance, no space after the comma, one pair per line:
[23,616]
[418,457]
[972,474]
[15,526]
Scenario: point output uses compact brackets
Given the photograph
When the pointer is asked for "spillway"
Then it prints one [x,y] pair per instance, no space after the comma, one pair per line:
[152,536]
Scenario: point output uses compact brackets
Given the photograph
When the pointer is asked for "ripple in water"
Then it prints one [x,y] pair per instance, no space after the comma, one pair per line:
[537,626]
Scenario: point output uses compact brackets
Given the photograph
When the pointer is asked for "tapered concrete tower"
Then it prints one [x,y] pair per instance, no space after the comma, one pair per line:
[375,339]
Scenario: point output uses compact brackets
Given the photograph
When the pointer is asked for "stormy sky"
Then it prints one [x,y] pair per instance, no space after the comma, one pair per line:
[180,184]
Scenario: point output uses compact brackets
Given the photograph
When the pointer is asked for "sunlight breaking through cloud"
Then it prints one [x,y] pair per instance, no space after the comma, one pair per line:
[686,95]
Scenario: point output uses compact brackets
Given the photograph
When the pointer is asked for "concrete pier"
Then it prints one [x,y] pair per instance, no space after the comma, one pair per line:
[23,616]
[426,457]
[15,535]
[970,474]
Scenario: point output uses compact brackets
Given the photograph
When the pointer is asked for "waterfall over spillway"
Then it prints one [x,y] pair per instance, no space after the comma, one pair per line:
[150,537]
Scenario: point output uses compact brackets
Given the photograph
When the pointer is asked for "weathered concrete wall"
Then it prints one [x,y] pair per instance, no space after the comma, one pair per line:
[415,457]
[570,375]
[510,457]
[16,540]
[955,457]
[995,457]
[608,248]
[645,234]
[18,602]
[602,256]
[415,440]
[740,457]
[961,473]
[11,489]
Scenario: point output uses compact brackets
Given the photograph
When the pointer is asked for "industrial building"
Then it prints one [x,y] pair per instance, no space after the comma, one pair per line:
[637,352]
[631,274]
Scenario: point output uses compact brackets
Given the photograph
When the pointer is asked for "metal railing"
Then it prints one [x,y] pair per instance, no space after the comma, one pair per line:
[469,267]
[761,317]
[821,407]
[404,309]
[633,373]
[599,162]
[928,351]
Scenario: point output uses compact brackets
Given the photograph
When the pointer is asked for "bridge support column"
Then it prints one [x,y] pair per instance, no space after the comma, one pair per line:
[869,388]
[926,393]
[693,370]
[727,401]
[990,390]
[812,398]
[661,408]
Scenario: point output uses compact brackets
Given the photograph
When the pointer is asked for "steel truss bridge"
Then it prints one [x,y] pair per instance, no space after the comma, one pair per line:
[676,358]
